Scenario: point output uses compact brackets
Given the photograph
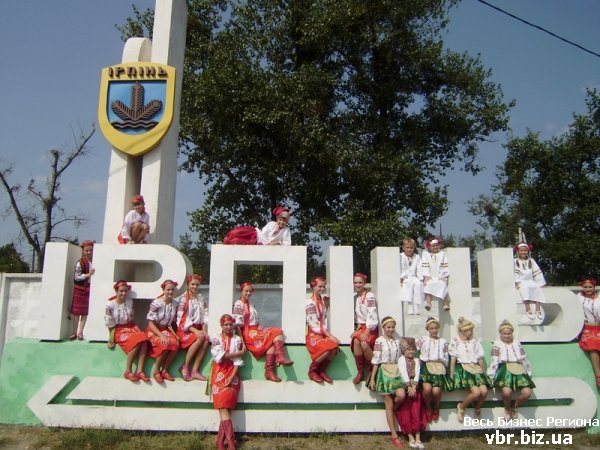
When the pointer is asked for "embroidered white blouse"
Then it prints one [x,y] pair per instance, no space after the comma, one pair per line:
[238,315]
[162,314]
[386,350]
[435,265]
[466,352]
[218,349]
[118,314]
[315,317]
[402,365]
[365,310]
[433,350]
[410,267]
[272,233]
[197,312]
[503,353]
[591,308]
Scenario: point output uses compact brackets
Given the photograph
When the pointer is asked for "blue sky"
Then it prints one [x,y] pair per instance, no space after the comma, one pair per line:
[53,51]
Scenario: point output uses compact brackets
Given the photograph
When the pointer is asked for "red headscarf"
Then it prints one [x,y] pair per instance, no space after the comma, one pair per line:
[315,280]
[138,199]
[281,211]
[120,283]
[247,283]
[226,317]
[87,243]
[361,275]
[194,276]
[522,244]
[588,280]
[434,240]
[165,283]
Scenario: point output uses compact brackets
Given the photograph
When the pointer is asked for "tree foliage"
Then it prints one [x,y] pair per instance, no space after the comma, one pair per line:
[38,210]
[11,260]
[349,112]
[551,189]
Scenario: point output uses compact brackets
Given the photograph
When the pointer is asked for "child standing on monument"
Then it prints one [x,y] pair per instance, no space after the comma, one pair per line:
[227,351]
[81,290]
[589,339]
[385,377]
[434,368]
[529,280]
[136,225]
[411,276]
[467,368]
[192,323]
[411,414]
[510,370]
[436,273]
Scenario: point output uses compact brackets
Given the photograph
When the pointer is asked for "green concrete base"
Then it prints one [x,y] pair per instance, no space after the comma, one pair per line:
[27,364]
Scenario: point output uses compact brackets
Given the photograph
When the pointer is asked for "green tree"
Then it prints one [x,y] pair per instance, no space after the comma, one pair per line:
[11,260]
[550,189]
[349,112]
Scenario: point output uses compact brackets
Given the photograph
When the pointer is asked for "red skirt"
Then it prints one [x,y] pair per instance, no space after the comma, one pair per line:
[373,335]
[187,338]
[156,348]
[129,336]
[81,300]
[589,340]
[241,236]
[224,397]
[411,415]
[318,344]
[258,340]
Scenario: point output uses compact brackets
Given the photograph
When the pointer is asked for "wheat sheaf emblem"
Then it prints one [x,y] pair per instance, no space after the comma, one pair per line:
[138,114]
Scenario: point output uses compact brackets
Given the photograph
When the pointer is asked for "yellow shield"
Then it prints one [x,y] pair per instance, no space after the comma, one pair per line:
[136,105]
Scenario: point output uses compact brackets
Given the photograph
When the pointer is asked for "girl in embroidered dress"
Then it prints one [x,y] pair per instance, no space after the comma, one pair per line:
[385,374]
[411,276]
[119,318]
[411,415]
[589,339]
[434,370]
[366,326]
[529,280]
[81,290]
[192,323]
[275,232]
[227,351]
[434,264]
[320,343]
[164,343]
[467,368]
[259,341]
[136,225]
[510,370]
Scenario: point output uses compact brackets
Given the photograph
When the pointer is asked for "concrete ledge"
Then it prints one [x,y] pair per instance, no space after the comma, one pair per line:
[290,396]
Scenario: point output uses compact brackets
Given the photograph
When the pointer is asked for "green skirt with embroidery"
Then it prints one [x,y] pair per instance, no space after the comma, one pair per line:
[504,378]
[466,380]
[387,385]
[441,381]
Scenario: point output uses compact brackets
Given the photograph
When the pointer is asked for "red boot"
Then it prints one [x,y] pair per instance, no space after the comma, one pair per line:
[322,373]
[280,358]
[360,366]
[313,372]
[229,434]
[221,437]
[270,368]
